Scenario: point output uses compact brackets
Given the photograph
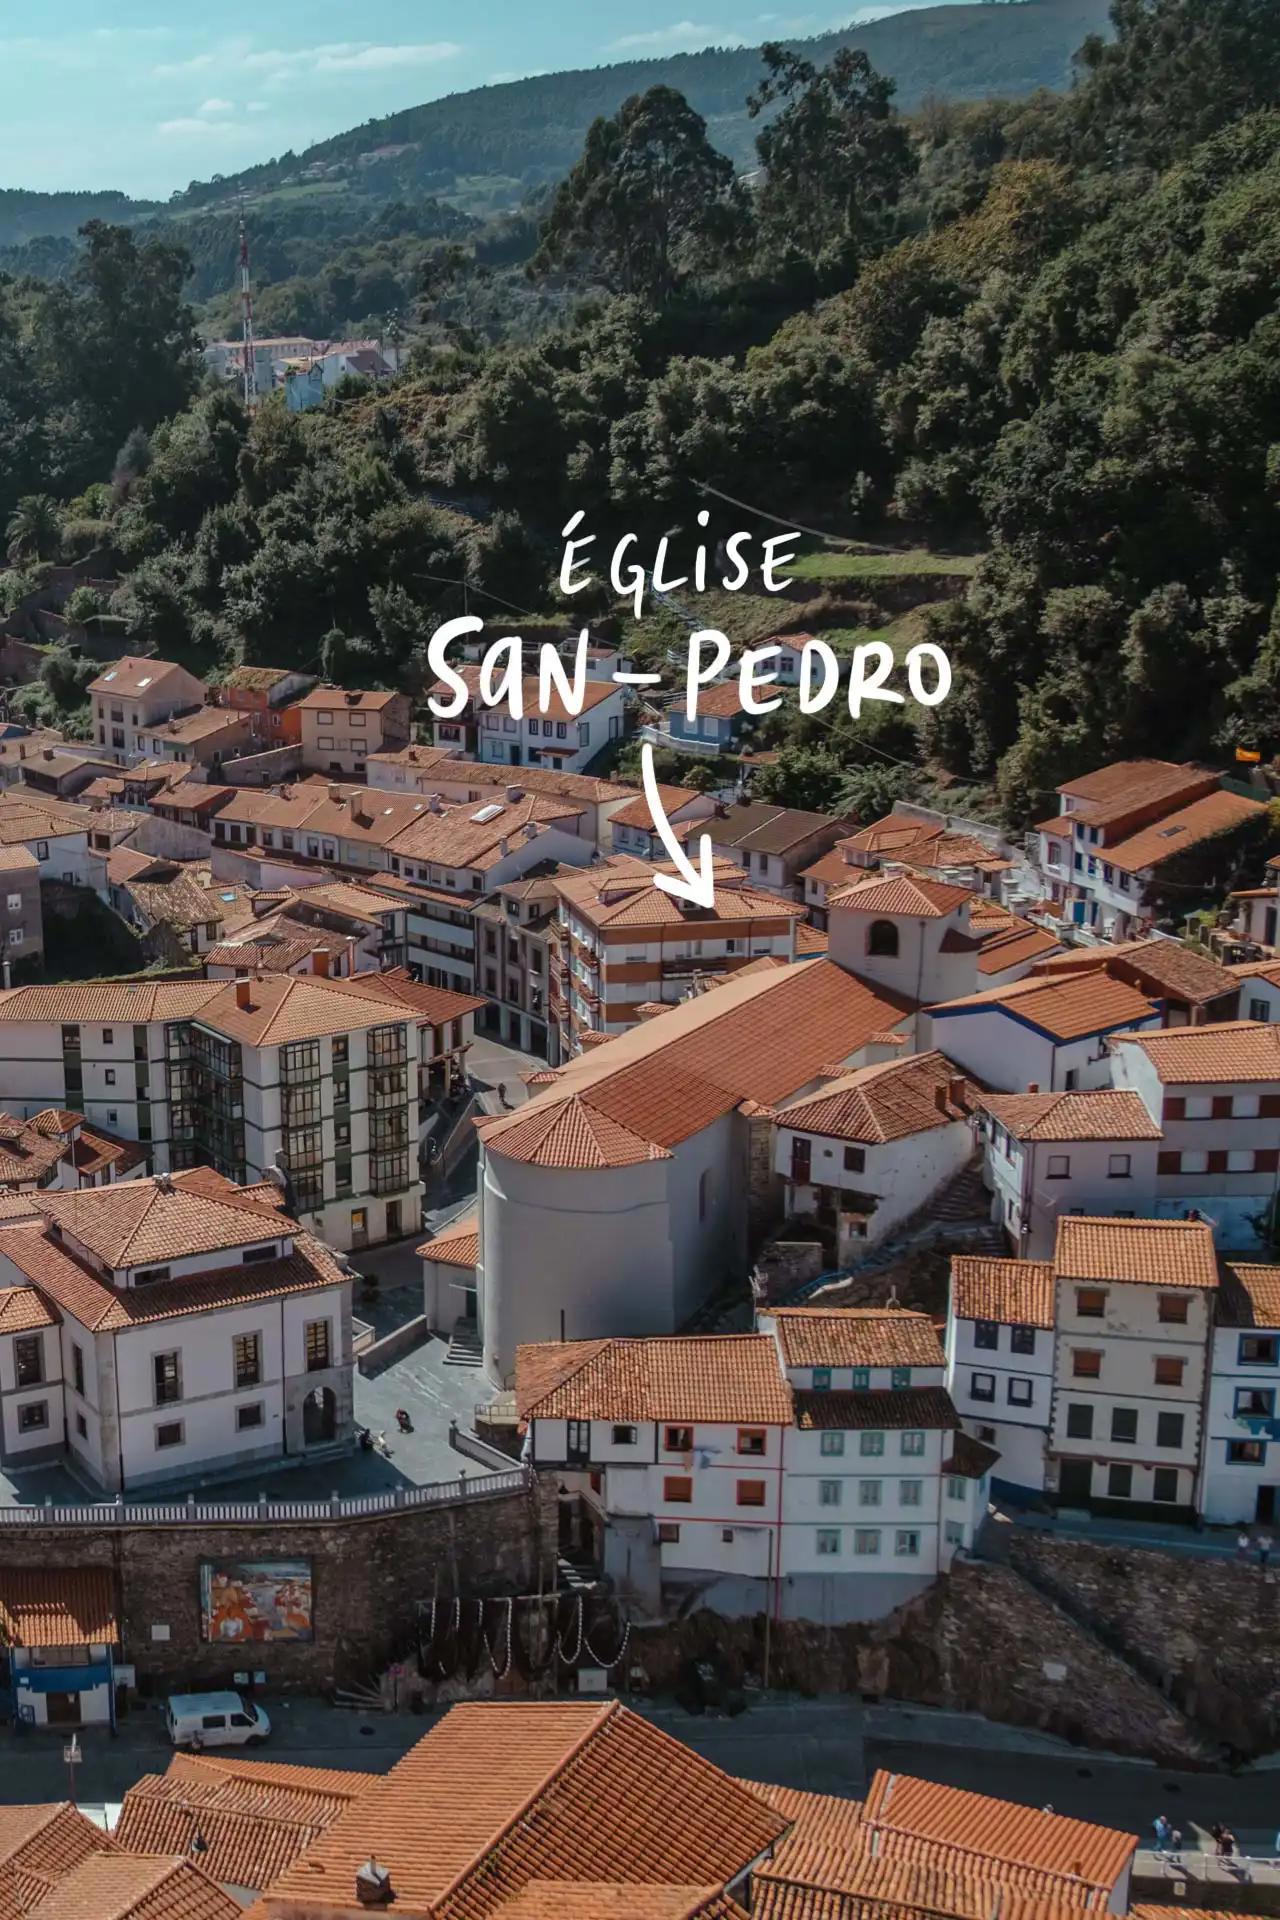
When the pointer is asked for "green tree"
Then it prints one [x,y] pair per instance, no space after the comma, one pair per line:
[34,529]
[650,203]
[835,157]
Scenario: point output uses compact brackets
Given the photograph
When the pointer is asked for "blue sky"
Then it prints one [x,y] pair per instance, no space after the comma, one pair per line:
[146,95]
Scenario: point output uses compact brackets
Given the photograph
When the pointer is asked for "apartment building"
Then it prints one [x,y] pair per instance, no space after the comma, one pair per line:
[514,952]
[1000,1362]
[1258,988]
[632,824]
[341,728]
[1046,1155]
[171,1324]
[269,695]
[1042,1034]
[865,1150]
[1240,1475]
[202,739]
[428,770]
[768,1471]
[57,832]
[619,1198]
[551,735]
[335,928]
[133,696]
[626,944]
[322,1082]
[57,1149]
[773,845]
[1215,1093]
[21,912]
[1134,1305]
[1101,855]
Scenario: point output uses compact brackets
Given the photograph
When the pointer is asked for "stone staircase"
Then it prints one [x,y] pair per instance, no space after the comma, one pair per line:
[957,1218]
[464,1349]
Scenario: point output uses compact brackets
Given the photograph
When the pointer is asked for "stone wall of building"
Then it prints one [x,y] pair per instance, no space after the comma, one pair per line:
[1205,1631]
[981,1640]
[368,1576]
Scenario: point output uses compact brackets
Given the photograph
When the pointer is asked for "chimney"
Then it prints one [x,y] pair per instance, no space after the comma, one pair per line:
[373,1885]
[320,962]
[940,1097]
[242,991]
[164,1183]
[1033,1086]
[513,794]
[955,1090]
[46,753]
[335,794]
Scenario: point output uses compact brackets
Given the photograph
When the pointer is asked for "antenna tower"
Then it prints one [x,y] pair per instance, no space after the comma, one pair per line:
[246,304]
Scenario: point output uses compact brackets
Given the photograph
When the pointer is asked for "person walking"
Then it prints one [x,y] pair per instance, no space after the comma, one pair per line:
[1264,1551]
[1162,1831]
[1242,1547]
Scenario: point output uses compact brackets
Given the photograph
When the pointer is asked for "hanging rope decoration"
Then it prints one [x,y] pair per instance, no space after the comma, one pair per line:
[571,1659]
[499,1672]
[624,1641]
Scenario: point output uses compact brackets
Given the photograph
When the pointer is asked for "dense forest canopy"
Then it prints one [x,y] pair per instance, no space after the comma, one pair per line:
[1036,343]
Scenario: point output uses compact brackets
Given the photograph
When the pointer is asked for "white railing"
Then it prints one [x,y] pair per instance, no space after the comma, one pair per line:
[206,1513]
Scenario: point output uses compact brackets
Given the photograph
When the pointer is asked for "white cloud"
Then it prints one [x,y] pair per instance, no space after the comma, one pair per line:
[678,38]
[188,125]
[175,69]
[348,56]
[218,107]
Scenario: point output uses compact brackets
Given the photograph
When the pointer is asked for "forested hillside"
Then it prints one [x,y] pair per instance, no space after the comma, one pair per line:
[1021,360]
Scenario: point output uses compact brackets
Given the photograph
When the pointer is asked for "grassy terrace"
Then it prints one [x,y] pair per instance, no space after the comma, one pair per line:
[880,563]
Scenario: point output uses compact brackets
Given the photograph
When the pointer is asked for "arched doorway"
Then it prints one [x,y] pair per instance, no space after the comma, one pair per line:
[319,1416]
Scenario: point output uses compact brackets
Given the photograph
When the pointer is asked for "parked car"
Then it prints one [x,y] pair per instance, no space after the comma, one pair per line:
[197,1720]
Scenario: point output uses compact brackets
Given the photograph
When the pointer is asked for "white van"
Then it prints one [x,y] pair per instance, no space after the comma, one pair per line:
[197,1720]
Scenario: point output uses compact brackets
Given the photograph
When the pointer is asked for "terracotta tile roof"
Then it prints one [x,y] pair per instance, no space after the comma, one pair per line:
[1101,1115]
[885,1102]
[80,1293]
[143,1223]
[193,796]
[254,1818]
[58,1606]
[1249,1295]
[477,775]
[458,1245]
[832,869]
[38,1846]
[1157,1253]
[708,1377]
[204,724]
[638,813]
[998,1833]
[341,699]
[825,1829]
[811,940]
[111,1003]
[621,893]
[856,1337]
[901,893]
[1061,826]
[1225,1050]
[616,1900]
[528,1791]
[457,838]
[1205,819]
[969,1459]
[1164,967]
[758,826]
[852,1412]
[133,675]
[755,1038]
[571,1134]
[1017,1293]
[1012,944]
[25,816]
[22,1310]
[1064,1009]
[122,1886]
[284,1007]
[18,859]
[1134,786]
[885,838]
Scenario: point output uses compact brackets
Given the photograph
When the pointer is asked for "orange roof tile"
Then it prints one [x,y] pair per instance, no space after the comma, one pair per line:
[458,1245]
[22,1310]
[1249,1295]
[525,1791]
[969,1459]
[1157,1253]
[885,838]
[133,674]
[708,1377]
[121,1886]
[616,1900]
[571,1134]
[1164,967]
[1129,786]
[254,1818]
[331,699]
[1064,1009]
[58,1606]
[112,1004]
[1205,819]
[755,1038]
[1016,1293]
[998,1832]
[825,1827]
[852,1412]
[856,1337]
[288,1007]
[1225,1050]
[884,1102]
[146,1222]
[1012,944]
[1102,1115]
[638,813]
[901,893]
[621,893]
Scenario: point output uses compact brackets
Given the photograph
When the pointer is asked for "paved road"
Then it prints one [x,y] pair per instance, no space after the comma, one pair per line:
[830,1746]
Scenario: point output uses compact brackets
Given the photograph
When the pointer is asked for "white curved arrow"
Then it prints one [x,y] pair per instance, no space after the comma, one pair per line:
[688,882]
